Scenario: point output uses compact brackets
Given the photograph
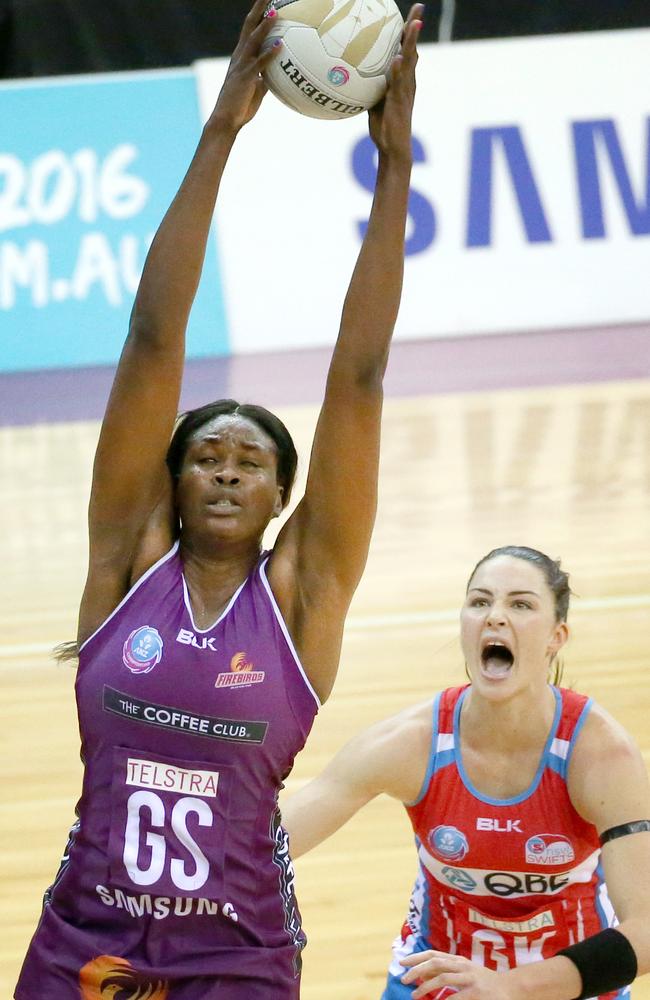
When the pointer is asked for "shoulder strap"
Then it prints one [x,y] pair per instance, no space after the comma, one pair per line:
[170,559]
[442,750]
[575,709]
[448,702]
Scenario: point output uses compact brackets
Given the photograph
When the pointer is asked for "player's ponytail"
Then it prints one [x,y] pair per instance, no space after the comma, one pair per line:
[66,652]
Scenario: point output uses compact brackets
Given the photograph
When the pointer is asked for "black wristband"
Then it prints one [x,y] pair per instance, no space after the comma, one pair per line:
[624,830]
[606,962]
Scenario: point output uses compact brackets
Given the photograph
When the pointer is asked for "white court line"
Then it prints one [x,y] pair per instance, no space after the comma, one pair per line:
[362,623]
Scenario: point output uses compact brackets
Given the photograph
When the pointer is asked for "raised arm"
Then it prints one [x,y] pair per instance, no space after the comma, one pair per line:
[322,550]
[129,475]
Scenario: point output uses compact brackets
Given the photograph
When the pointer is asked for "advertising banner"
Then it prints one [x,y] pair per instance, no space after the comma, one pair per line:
[88,167]
[529,207]
[529,204]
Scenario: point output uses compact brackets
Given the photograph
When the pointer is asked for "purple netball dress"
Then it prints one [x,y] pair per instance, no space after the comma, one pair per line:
[177,882]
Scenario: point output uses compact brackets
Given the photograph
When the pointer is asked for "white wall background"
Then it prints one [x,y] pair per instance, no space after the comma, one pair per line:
[290,203]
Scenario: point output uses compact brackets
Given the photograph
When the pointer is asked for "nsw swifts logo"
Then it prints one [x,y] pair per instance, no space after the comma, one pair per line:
[549,849]
[142,650]
[241,674]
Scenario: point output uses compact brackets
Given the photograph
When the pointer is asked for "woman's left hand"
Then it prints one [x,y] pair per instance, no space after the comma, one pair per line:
[436,973]
[390,120]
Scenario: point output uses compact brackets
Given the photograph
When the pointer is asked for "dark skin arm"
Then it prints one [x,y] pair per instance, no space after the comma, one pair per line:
[130,479]
[321,552]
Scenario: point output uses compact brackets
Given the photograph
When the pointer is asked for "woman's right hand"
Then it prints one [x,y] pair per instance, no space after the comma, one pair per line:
[390,120]
[437,975]
[244,87]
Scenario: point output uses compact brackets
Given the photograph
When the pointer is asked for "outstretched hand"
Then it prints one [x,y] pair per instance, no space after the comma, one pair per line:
[390,120]
[244,88]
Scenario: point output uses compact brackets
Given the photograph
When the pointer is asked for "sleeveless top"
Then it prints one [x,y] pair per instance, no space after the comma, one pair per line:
[503,882]
[178,866]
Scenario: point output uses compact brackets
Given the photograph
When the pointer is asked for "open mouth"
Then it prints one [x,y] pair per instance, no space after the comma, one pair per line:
[497,660]
[223,506]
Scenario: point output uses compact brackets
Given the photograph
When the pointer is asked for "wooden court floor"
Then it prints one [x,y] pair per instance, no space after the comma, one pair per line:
[565,470]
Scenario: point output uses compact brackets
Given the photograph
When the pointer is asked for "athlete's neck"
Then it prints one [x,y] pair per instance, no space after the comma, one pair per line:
[213,578]
[521,722]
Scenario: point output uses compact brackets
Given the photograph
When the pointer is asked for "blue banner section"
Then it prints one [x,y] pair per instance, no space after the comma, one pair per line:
[87,169]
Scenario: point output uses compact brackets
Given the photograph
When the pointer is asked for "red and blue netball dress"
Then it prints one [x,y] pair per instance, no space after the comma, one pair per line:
[502,882]
[177,882]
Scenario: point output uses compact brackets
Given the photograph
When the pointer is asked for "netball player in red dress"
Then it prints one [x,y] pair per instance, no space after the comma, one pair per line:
[530,808]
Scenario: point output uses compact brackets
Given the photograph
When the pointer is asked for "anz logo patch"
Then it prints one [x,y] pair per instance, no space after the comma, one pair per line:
[188,638]
[142,649]
[448,843]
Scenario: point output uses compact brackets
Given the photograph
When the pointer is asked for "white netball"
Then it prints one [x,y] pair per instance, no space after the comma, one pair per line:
[335,54]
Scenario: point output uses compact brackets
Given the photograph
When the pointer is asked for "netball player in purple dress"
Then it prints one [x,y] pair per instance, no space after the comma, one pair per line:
[203,660]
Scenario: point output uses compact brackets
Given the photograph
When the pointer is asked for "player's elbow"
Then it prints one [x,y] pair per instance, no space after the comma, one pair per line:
[358,378]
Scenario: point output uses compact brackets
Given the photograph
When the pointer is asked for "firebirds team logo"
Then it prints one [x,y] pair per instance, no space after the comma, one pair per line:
[142,650]
[448,843]
[549,849]
[241,674]
[108,976]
